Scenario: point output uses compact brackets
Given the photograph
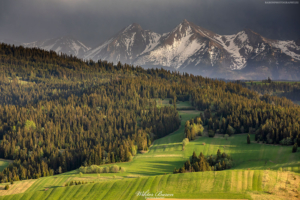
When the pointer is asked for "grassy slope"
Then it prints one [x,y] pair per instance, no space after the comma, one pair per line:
[4,163]
[222,184]
[165,154]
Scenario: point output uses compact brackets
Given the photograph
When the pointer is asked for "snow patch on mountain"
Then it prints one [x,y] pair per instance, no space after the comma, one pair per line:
[129,41]
[288,47]
[175,54]
[153,42]
[93,53]
[238,61]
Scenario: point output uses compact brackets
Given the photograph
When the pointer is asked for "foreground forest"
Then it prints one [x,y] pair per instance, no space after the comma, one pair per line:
[58,113]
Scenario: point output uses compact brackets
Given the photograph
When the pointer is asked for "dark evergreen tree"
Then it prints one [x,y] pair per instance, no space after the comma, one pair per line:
[248,139]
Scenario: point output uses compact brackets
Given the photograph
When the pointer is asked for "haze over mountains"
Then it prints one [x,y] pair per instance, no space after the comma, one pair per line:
[193,49]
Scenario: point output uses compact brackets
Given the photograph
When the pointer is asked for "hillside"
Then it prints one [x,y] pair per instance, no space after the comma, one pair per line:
[142,174]
[58,113]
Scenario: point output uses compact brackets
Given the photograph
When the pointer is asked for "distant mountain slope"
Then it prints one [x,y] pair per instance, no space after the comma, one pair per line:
[185,45]
[65,44]
[126,45]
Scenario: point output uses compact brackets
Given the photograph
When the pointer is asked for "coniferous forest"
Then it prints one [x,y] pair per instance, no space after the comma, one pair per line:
[218,162]
[58,112]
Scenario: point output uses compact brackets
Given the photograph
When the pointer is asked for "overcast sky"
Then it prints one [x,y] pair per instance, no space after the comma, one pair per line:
[93,21]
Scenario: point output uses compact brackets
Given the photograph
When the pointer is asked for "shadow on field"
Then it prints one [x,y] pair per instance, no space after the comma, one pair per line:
[159,167]
[50,187]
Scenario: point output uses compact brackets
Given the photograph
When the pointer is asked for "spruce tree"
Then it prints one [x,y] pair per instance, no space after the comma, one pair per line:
[248,139]
[295,148]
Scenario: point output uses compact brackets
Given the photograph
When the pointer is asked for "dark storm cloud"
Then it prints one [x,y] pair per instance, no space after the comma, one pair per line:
[94,21]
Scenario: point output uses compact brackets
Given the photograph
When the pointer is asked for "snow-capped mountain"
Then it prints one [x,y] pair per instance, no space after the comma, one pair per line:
[66,44]
[247,46]
[189,47]
[126,45]
[192,49]
[185,45]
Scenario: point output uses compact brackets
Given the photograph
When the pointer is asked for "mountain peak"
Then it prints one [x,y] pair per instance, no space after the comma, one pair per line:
[133,27]
[182,27]
[185,21]
[249,31]
[136,25]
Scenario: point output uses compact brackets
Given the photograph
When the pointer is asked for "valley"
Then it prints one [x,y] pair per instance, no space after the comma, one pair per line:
[59,113]
[259,169]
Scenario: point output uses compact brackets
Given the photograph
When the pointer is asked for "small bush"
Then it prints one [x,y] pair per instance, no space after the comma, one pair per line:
[122,169]
[106,170]
[211,133]
[286,141]
[185,141]
[96,169]
[6,187]
[230,130]
[114,169]
[82,169]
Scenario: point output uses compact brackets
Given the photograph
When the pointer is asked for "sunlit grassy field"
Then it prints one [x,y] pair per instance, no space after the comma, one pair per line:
[234,184]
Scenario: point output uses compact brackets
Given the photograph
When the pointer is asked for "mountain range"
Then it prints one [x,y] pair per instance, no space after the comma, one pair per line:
[66,44]
[193,49]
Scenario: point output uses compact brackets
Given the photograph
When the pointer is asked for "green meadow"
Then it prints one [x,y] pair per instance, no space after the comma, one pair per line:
[233,184]
[258,169]
[4,163]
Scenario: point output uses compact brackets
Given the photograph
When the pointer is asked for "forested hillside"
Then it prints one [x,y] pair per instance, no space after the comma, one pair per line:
[288,89]
[58,112]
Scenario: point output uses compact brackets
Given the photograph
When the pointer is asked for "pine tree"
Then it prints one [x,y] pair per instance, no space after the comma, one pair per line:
[219,154]
[248,139]
[295,146]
